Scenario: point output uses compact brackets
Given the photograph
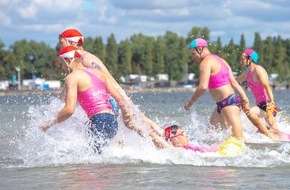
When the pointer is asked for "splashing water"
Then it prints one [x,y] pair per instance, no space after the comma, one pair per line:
[68,143]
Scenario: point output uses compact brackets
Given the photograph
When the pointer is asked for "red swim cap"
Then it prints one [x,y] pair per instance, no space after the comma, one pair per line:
[167,132]
[69,52]
[73,35]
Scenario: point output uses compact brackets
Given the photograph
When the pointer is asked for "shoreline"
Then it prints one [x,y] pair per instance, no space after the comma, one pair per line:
[126,89]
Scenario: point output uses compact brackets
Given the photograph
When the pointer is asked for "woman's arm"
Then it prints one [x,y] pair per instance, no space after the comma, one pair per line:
[242,77]
[204,75]
[70,104]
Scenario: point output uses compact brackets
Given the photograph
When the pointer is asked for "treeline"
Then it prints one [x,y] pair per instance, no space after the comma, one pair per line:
[141,54]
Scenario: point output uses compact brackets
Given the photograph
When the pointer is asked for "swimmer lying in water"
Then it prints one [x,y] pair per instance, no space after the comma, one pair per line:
[179,138]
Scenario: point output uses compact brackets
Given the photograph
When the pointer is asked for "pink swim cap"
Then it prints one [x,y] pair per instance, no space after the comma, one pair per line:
[251,53]
[69,52]
[198,42]
[73,35]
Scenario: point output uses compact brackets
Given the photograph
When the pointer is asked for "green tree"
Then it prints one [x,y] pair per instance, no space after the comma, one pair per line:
[148,55]
[287,59]
[258,47]
[279,57]
[216,46]
[89,45]
[268,55]
[18,50]
[242,43]
[34,58]
[233,56]
[100,48]
[160,47]
[183,60]
[193,34]
[112,55]
[205,34]
[172,66]
[7,61]
[125,57]
[138,49]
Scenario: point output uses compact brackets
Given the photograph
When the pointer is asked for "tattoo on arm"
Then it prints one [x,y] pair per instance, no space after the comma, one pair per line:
[95,65]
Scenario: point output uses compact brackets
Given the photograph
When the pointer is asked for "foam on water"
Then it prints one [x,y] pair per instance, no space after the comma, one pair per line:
[68,143]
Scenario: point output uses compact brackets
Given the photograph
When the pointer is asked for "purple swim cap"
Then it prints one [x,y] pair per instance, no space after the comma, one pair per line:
[198,42]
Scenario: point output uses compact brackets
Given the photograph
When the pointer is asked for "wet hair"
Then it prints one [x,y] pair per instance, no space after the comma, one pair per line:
[174,129]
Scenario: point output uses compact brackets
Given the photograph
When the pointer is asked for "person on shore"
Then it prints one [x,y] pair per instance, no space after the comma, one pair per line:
[132,117]
[215,74]
[257,80]
[91,89]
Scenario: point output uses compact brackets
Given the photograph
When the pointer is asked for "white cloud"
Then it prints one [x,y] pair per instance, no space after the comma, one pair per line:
[4,20]
[29,12]
[45,19]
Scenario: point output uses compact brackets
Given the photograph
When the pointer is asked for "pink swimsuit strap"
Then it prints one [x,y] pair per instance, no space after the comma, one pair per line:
[257,88]
[96,98]
[84,53]
[221,78]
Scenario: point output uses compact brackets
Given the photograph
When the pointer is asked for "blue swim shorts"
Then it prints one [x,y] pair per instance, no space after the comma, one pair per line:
[104,127]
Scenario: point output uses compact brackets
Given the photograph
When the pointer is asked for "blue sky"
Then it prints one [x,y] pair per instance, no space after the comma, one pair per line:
[43,20]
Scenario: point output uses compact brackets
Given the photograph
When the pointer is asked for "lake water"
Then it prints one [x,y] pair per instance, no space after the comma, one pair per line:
[62,159]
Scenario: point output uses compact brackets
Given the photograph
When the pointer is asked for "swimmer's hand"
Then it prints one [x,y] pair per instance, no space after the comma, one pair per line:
[271,109]
[43,127]
[130,123]
[187,105]
[275,137]
[246,107]
[46,125]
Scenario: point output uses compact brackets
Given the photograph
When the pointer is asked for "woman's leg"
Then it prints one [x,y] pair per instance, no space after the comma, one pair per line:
[217,121]
[231,114]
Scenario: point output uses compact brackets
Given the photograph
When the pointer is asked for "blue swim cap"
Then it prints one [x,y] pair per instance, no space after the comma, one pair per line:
[252,54]
[198,42]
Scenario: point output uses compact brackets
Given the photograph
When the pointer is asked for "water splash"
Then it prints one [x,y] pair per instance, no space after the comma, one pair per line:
[68,143]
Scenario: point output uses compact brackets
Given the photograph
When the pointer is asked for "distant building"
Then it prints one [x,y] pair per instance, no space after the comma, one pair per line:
[4,85]
[162,80]
[40,83]
[162,77]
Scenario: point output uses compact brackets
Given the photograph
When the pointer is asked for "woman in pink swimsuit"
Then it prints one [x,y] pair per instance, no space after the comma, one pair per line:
[91,89]
[215,74]
[132,118]
[257,80]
